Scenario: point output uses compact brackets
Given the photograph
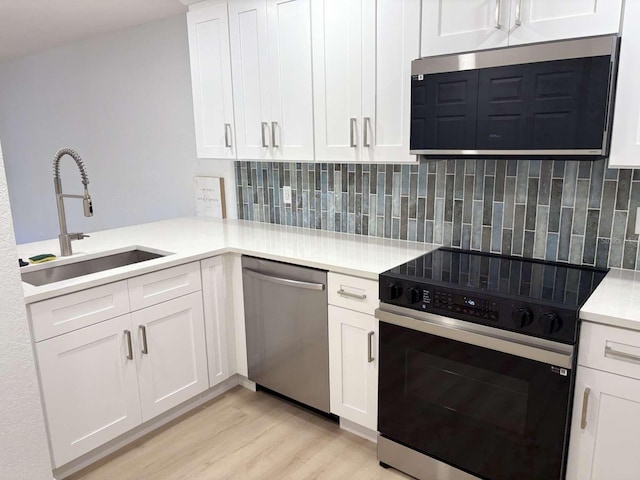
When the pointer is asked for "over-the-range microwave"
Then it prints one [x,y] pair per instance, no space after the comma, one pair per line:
[550,100]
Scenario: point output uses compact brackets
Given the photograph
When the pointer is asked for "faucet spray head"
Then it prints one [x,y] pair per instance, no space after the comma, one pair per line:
[87,204]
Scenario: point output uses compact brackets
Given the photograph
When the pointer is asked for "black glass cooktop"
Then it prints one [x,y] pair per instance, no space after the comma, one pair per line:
[531,280]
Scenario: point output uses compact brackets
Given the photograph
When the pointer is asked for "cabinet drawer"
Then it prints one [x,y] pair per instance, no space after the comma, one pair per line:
[353,293]
[611,349]
[157,287]
[59,315]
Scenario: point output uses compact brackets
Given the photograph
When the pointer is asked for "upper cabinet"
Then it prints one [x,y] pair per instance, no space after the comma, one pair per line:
[625,141]
[467,25]
[211,81]
[362,52]
[271,58]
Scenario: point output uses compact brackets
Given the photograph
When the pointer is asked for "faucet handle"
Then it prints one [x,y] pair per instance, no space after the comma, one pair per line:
[78,236]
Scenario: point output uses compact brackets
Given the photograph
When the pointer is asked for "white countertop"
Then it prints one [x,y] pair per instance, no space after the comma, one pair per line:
[616,300]
[196,238]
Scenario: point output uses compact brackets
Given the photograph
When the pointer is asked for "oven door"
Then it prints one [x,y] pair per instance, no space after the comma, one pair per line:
[472,400]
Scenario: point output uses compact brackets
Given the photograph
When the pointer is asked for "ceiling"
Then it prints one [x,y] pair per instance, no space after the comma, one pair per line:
[28,26]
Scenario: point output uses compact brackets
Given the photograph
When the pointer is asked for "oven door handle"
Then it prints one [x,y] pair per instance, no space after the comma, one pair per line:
[506,342]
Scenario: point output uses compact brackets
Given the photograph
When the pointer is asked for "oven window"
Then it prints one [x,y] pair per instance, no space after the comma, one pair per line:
[481,395]
[495,415]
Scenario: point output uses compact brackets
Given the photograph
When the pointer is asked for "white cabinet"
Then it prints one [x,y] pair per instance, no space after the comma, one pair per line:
[353,366]
[547,20]
[271,58]
[100,377]
[463,25]
[362,52]
[625,141]
[214,293]
[605,445]
[468,25]
[171,353]
[89,386]
[605,428]
[211,81]
[353,349]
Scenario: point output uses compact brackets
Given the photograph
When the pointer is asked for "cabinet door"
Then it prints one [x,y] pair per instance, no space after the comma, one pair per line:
[337,76]
[463,25]
[547,20]
[171,351]
[250,62]
[211,81]
[607,446]
[625,140]
[215,319]
[353,366]
[291,122]
[391,40]
[89,387]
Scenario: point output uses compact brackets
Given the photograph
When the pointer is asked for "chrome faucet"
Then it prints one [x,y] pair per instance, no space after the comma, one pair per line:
[65,237]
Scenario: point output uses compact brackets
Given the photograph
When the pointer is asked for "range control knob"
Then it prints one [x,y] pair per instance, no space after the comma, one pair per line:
[522,317]
[550,322]
[414,295]
[395,290]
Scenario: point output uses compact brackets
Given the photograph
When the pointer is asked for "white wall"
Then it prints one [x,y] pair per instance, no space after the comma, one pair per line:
[24,453]
[123,102]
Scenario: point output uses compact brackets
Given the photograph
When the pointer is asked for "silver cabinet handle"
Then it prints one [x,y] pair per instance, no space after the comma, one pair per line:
[585,406]
[518,7]
[497,14]
[610,352]
[366,127]
[127,333]
[370,347]
[227,135]
[352,132]
[143,335]
[283,281]
[274,141]
[264,137]
[344,293]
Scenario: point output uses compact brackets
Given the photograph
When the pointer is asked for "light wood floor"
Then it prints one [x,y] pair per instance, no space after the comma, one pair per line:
[245,435]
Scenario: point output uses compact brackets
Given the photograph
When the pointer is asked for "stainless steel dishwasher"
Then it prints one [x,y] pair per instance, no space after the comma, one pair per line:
[285,310]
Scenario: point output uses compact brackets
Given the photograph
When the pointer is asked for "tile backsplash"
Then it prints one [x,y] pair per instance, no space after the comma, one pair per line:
[570,211]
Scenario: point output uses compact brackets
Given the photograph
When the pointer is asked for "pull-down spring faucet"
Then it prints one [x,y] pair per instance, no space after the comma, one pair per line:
[65,237]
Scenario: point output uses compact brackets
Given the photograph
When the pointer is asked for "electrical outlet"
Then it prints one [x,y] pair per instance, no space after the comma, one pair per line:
[286,195]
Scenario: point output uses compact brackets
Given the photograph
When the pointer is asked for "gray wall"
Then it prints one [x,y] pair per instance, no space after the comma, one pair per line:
[123,102]
[24,453]
[569,211]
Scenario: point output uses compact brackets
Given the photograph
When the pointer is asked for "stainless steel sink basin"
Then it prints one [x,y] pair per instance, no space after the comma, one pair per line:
[43,275]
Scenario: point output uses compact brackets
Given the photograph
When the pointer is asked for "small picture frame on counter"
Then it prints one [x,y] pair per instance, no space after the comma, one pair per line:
[209,195]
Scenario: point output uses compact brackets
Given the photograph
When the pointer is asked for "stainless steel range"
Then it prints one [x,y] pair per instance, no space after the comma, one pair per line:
[477,361]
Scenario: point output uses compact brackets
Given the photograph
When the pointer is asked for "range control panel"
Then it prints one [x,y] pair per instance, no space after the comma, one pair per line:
[508,314]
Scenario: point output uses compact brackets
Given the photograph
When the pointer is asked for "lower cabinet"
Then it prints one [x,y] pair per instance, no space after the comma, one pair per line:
[90,387]
[170,353]
[102,380]
[353,366]
[606,427]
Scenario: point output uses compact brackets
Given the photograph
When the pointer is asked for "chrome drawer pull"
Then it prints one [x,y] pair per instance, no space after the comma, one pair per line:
[518,18]
[369,347]
[352,133]
[274,140]
[585,406]
[264,135]
[127,333]
[227,135]
[344,293]
[143,334]
[498,26]
[610,352]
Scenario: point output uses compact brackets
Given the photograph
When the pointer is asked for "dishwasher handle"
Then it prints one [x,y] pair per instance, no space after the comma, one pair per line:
[283,281]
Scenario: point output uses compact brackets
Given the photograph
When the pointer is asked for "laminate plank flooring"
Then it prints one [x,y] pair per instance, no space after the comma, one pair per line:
[245,435]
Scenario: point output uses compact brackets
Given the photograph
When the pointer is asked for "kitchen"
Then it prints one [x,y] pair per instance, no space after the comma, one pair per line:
[585,216]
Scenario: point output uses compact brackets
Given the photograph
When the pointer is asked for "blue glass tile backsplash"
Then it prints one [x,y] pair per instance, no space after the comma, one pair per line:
[569,211]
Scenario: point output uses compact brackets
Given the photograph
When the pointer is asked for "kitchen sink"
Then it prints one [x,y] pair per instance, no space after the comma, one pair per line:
[46,274]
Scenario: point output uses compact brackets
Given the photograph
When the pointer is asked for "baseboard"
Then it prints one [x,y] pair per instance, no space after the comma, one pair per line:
[148,427]
[359,430]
